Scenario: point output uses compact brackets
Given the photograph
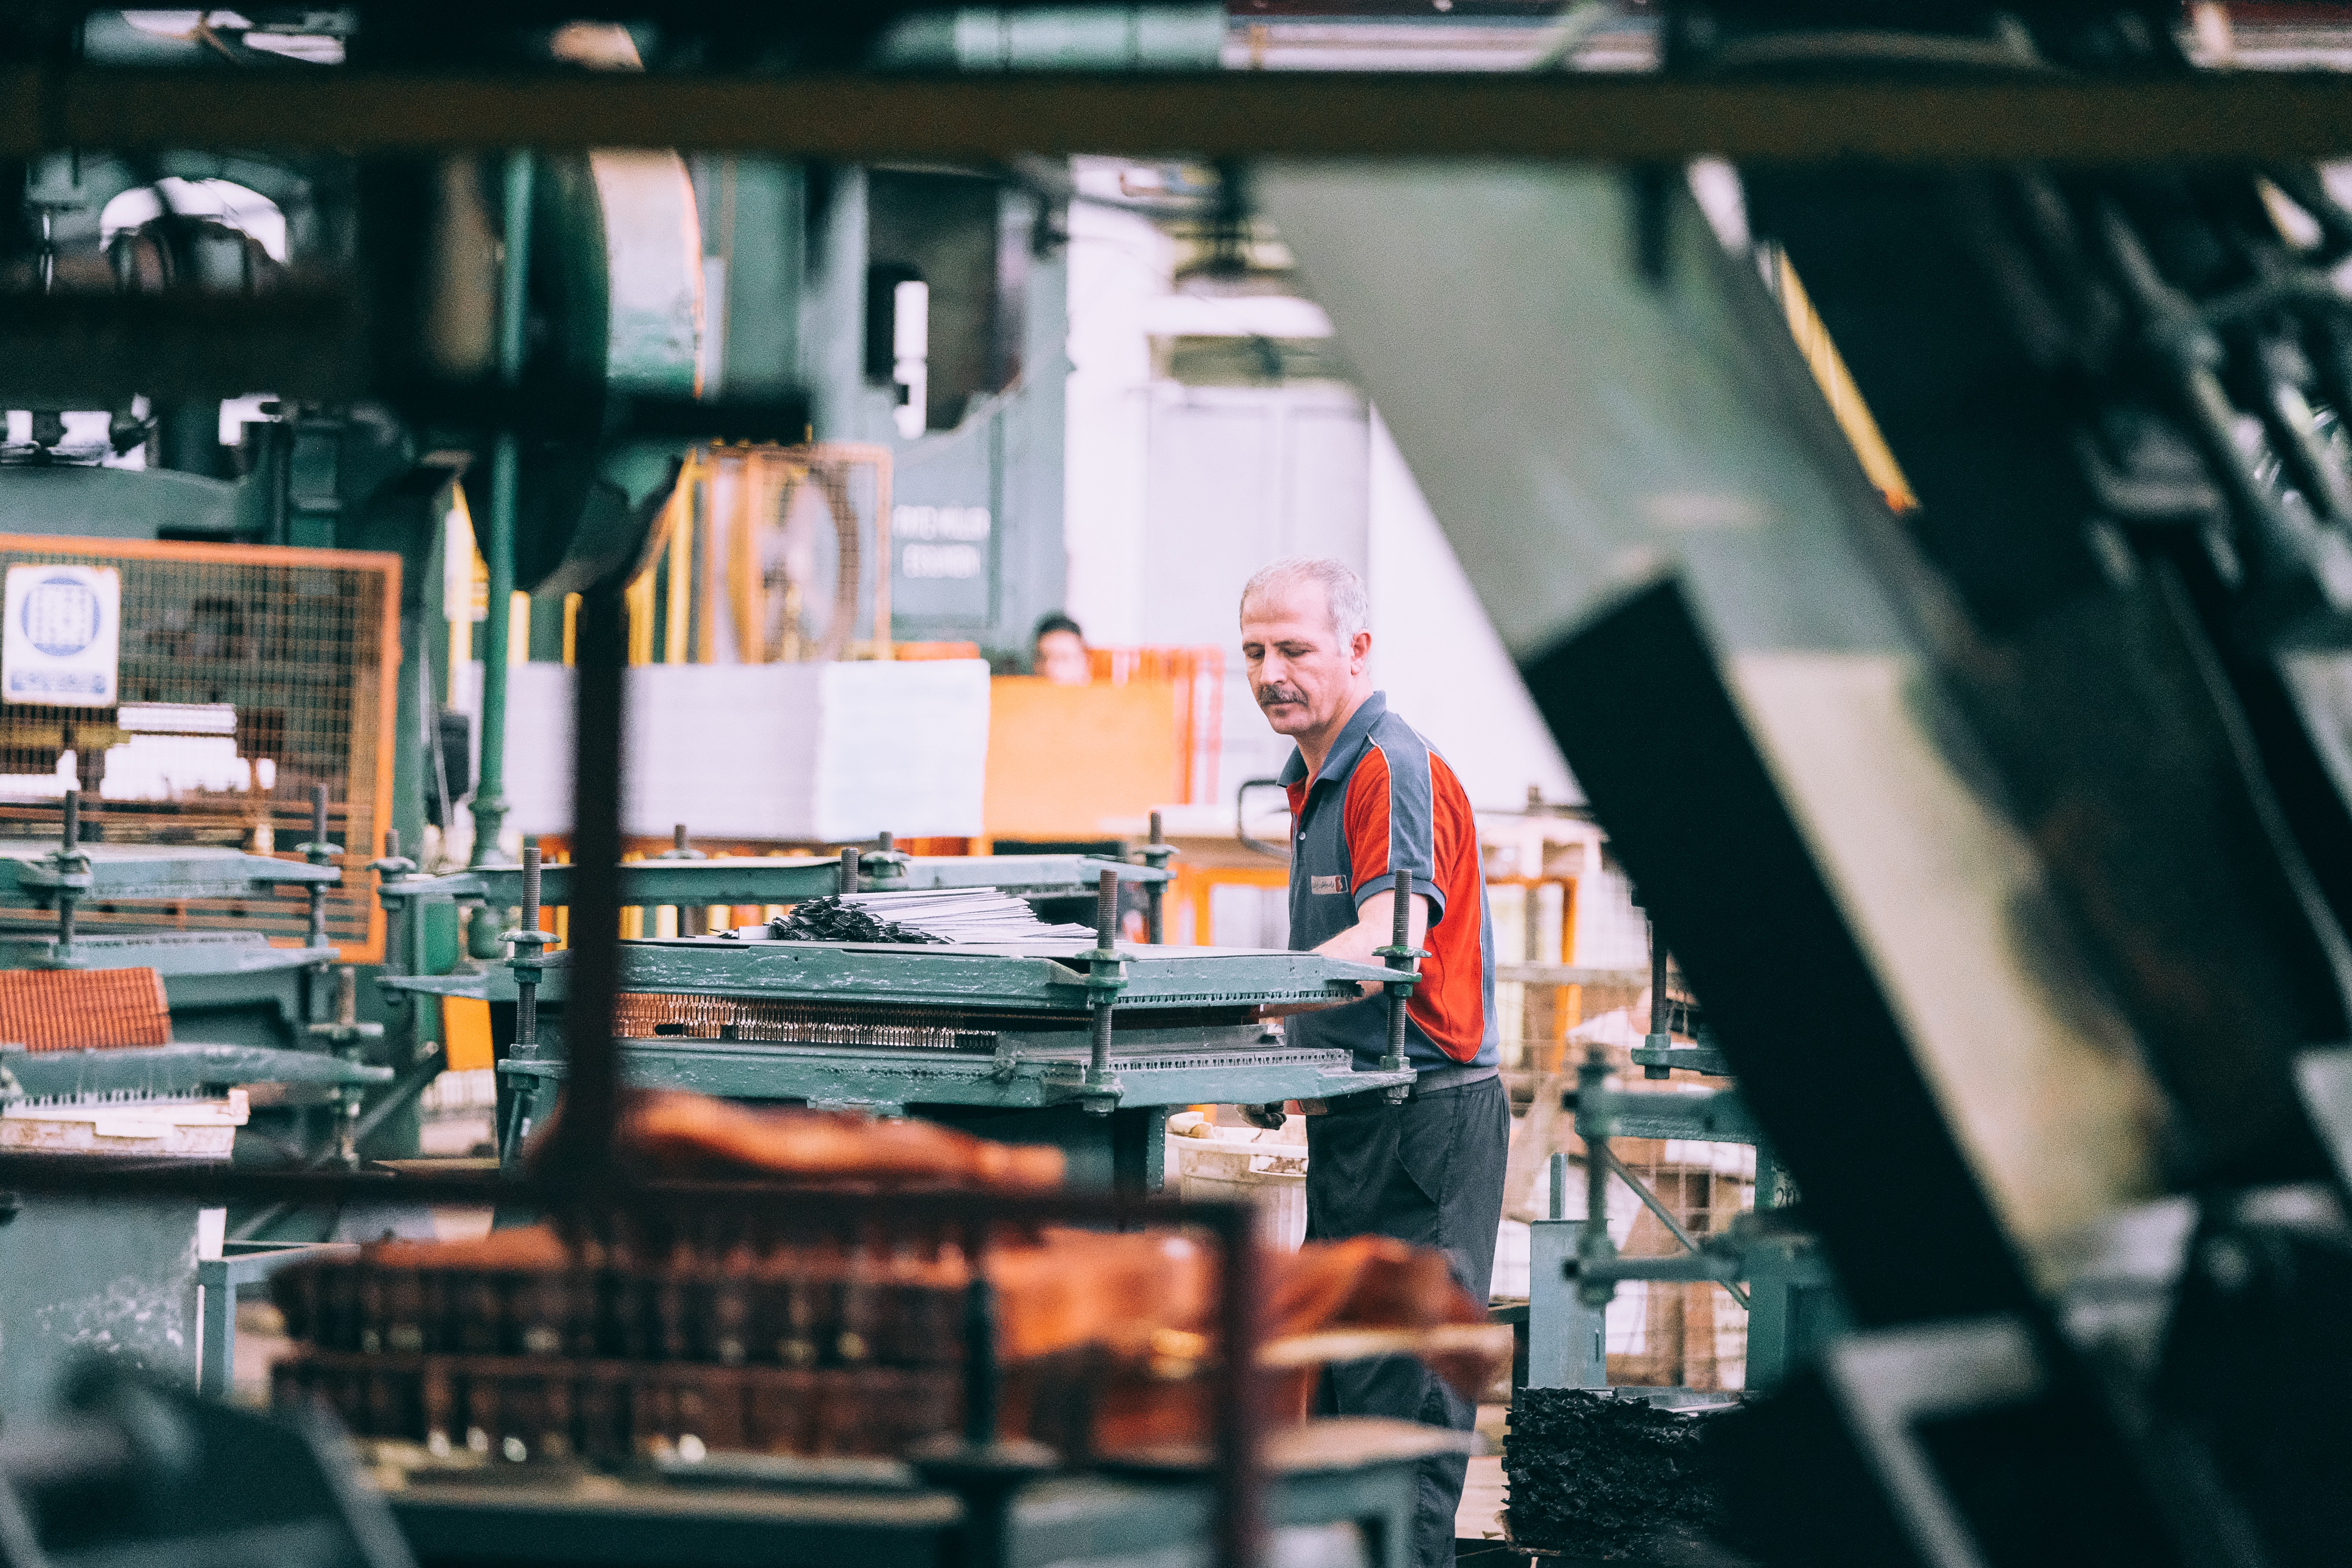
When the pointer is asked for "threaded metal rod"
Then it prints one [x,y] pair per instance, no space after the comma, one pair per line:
[849,871]
[1107,940]
[71,835]
[1399,996]
[318,856]
[1657,982]
[1106,910]
[1155,895]
[527,990]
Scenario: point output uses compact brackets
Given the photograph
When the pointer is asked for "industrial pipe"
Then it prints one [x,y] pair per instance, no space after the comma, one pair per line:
[499,543]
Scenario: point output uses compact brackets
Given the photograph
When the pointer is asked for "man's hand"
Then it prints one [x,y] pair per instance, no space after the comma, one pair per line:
[1375,927]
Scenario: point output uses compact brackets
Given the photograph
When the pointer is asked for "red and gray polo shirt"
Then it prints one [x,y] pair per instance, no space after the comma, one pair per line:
[1386,804]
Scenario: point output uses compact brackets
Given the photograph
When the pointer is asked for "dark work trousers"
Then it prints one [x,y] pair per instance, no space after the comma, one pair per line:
[1429,1171]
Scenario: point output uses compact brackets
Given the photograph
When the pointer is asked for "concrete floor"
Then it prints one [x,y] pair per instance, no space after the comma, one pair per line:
[1480,1515]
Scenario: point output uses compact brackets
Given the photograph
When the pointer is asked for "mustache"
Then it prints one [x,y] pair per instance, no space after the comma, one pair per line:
[1271,695]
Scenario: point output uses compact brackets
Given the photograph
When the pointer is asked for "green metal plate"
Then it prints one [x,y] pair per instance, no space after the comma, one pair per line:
[778,879]
[1219,1072]
[131,872]
[169,954]
[1714,1116]
[164,1072]
[1042,979]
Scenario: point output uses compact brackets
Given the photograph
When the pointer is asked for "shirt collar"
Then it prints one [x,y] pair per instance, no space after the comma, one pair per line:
[1346,748]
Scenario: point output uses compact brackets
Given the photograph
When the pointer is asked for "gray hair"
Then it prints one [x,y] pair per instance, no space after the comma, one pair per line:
[1343,589]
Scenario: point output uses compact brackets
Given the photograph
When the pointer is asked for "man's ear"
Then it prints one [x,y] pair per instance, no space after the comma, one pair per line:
[1359,647]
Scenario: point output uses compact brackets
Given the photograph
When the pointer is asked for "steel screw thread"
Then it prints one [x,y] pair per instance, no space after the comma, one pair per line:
[71,848]
[316,853]
[1400,901]
[1106,910]
[527,990]
[849,871]
[1106,943]
[1155,895]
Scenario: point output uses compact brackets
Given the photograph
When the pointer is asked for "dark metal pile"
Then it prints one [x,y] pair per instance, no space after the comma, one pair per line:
[835,919]
[1593,1477]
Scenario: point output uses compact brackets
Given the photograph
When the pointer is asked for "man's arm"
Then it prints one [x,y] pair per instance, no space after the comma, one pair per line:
[1375,927]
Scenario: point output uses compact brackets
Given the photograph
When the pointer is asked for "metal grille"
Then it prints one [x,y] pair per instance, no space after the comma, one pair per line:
[648,1015]
[83,1009]
[303,644]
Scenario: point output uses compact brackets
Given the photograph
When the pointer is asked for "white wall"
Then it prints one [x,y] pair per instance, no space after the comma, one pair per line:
[1175,494]
[1118,264]
[1437,656]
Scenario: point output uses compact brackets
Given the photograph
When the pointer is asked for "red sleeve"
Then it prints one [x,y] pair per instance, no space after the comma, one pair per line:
[1367,821]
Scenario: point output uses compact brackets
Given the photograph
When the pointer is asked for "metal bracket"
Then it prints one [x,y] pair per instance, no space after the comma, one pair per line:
[1004,1062]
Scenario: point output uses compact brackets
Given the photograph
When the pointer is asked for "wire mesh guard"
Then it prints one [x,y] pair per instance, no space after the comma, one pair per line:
[284,661]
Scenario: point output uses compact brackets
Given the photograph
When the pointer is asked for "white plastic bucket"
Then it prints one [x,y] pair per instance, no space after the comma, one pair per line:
[1232,1162]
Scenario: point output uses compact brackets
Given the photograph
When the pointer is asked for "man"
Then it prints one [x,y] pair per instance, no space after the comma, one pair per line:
[1371,804]
[1057,650]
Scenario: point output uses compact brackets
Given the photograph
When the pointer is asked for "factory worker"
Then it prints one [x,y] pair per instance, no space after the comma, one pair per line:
[1373,807]
[1058,651]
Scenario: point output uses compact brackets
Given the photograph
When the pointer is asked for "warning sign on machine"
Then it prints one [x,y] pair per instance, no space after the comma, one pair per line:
[64,636]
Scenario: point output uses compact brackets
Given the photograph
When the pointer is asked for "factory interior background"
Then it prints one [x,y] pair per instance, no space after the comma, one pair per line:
[651,908]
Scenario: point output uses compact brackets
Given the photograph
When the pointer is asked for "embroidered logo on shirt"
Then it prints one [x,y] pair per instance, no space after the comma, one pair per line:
[1337,884]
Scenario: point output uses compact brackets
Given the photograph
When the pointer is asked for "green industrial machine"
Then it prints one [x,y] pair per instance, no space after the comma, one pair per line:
[1087,1047]
[234,985]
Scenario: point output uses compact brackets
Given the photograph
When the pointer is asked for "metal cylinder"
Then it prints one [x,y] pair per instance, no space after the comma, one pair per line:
[1657,982]
[71,835]
[1399,996]
[1098,1046]
[1558,1206]
[849,871]
[1155,895]
[678,838]
[1106,942]
[498,539]
[1106,910]
[527,990]
[391,843]
[316,853]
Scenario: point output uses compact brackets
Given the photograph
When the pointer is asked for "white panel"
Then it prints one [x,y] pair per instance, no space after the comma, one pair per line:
[904,748]
[539,745]
[1324,474]
[815,752]
[1214,512]
[1438,658]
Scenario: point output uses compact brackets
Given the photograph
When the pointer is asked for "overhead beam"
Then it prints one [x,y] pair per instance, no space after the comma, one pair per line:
[2220,116]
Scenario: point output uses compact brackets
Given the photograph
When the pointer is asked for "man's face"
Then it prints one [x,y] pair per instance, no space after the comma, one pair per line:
[1062,658]
[1303,676]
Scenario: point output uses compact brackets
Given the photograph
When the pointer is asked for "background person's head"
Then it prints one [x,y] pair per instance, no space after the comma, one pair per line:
[1306,645]
[1058,651]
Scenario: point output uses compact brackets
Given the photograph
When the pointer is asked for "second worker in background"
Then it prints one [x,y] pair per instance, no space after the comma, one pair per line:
[1373,806]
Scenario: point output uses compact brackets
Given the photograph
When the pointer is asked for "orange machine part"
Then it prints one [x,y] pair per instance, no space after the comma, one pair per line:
[83,1009]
